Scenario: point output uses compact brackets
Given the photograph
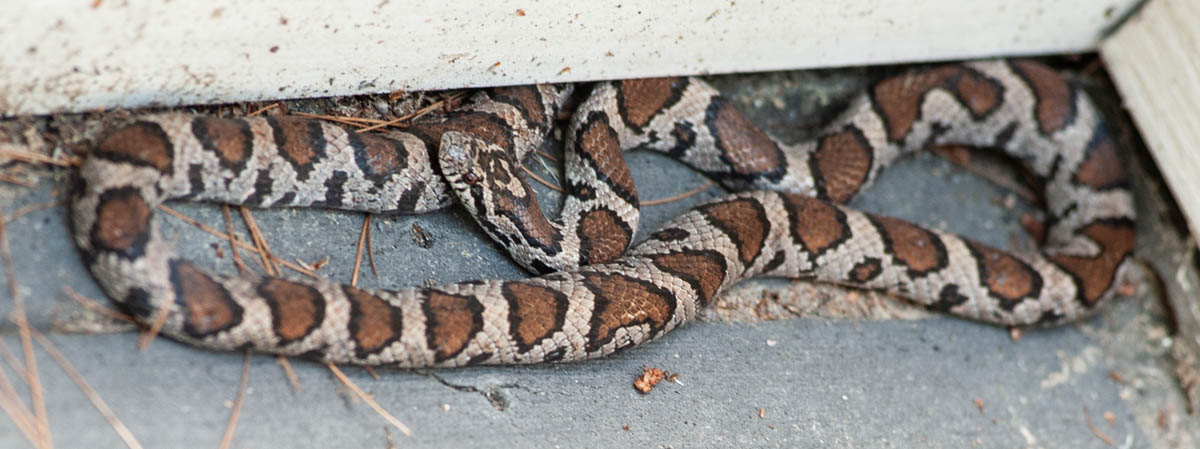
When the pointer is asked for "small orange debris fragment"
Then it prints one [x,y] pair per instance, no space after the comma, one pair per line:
[649,377]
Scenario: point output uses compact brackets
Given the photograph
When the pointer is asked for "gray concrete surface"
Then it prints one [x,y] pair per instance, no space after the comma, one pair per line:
[820,382]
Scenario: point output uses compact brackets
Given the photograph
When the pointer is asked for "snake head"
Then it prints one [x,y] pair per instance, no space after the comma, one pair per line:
[486,181]
[477,170]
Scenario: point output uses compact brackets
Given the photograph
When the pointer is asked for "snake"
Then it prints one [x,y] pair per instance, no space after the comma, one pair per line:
[594,291]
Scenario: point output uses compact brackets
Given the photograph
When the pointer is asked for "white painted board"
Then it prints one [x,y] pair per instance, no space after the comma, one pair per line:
[78,55]
[1153,60]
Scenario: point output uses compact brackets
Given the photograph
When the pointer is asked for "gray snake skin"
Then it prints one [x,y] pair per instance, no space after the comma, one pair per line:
[595,294]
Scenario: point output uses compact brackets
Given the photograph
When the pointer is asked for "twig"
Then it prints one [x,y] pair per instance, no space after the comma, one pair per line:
[244,245]
[5,177]
[94,306]
[260,243]
[11,403]
[552,172]
[371,255]
[227,438]
[12,361]
[264,109]
[644,203]
[371,371]
[35,158]
[32,208]
[233,240]
[367,398]
[315,266]
[679,196]
[1096,431]
[1020,190]
[291,374]
[148,336]
[543,181]
[546,155]
[352,121]
[102,407]
[362,240]
[416,114]
[333,119]
[23,329]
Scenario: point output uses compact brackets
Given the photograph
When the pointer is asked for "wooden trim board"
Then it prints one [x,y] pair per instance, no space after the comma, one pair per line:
[1153,60]
[78,55]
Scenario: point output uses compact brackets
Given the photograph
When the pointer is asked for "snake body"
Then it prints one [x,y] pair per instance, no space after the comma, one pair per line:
[595,296]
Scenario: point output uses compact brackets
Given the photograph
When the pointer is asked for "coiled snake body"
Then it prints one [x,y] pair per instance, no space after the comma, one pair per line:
[606,298]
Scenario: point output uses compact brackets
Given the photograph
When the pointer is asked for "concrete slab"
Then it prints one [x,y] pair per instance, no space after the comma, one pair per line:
[819,382]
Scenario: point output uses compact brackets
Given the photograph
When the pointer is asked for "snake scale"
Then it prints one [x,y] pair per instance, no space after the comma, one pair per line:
[595,294]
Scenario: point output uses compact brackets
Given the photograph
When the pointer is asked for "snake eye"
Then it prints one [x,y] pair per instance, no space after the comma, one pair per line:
[470,178]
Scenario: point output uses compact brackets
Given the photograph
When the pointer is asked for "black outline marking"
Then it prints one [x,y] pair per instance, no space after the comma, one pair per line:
[545,118]
[356,317]
[936,130]
[314,132]
[477,359]
[793,203]
[137,248]
[195,176]
[874,267]
[775,262]
[137,303]
[1080,295]
[691,280]
[602,302]
[149,128]
[561,304]
[539,267]
[358,142]
[710,121]
[1100,135]
[948,298]
[585,241]
[431,323]
[200,128]
[948,84]
[666,235]
[594,119]
[738,240]
[677,86]
[410,197]
[263,184]
[976,249]
[1049,317]
[1072,96]
[318,303]
[942,255]
[818,176]
[335,188]
[225,297]
[1002,138]
[464,122]
[952,86]
[287,199]
[685,135]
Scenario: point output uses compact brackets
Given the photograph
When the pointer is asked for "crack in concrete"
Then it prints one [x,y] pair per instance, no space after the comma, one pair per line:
[495,394]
